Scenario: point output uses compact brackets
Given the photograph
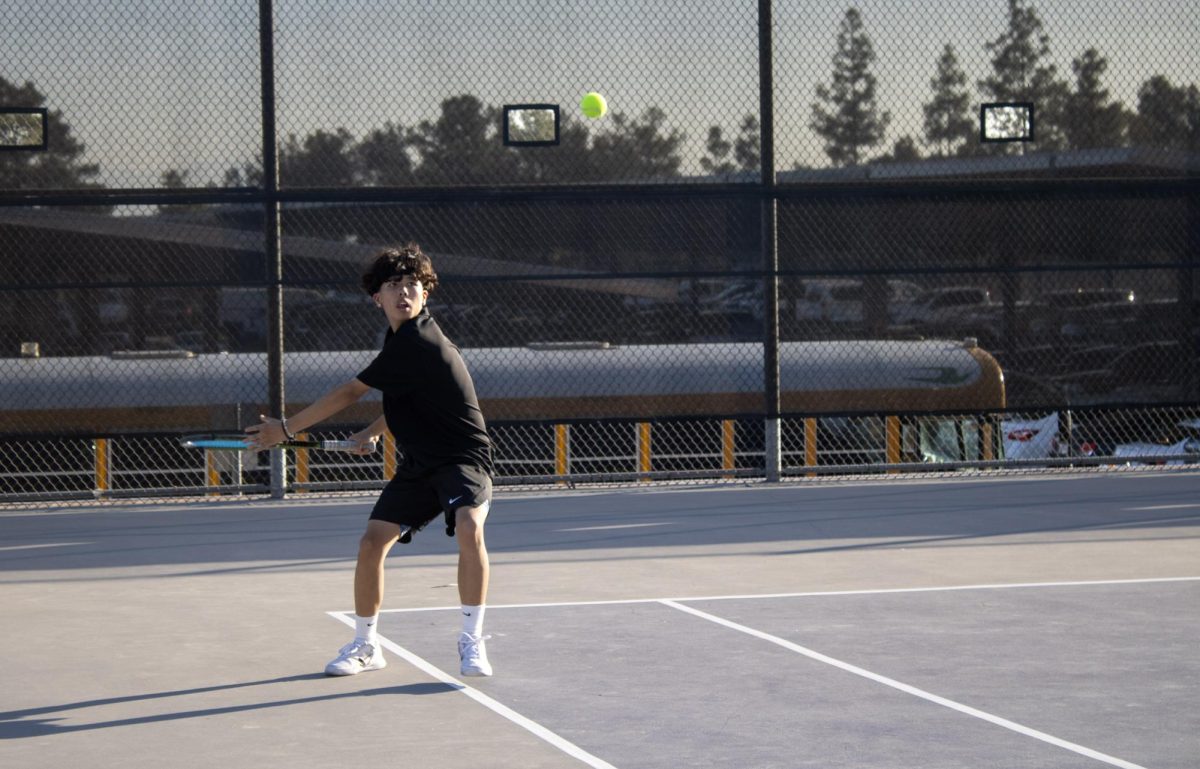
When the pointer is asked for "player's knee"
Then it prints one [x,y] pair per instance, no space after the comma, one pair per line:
[373,544]
[468,528]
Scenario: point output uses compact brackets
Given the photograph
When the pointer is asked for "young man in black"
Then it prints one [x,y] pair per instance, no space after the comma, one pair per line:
[430,407]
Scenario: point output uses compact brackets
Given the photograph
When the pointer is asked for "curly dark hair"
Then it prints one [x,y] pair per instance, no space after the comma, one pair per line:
[408,260]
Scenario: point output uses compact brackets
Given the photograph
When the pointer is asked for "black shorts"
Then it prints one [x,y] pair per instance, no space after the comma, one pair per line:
[414,501]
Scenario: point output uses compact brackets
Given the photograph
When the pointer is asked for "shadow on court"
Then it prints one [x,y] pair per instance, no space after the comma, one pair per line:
[45,721]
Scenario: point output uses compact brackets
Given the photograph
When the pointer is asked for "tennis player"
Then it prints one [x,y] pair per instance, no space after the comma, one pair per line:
[430,407]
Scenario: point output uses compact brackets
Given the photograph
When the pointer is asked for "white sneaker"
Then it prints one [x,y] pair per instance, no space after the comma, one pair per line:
[473,655]
[354,658]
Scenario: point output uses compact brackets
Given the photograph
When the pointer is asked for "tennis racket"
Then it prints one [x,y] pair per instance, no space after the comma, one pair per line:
[237,442]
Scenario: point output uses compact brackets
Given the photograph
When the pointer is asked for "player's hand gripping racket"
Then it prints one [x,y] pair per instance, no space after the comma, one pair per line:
[239,442]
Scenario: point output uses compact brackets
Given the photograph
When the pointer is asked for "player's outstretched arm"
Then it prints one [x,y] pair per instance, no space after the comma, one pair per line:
[272,431]
[367,437]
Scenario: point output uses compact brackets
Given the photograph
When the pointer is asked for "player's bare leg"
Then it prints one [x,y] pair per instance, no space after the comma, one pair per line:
[473,569]
[363,653]
[473,574]
[373,548]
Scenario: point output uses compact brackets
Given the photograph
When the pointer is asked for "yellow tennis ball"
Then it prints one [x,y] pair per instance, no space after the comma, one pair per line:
[593,105]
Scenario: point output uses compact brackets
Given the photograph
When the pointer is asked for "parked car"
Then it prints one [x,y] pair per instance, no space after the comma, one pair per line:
[950,305]
[840,300]
[1079,313]
[729,294]
[1087,297]
[742,299]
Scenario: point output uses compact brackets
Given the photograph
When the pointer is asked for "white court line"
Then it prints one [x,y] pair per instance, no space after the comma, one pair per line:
[813,594]
[947,589]
[1142,522]
[619,526]
[48,544]
[563,744]
[1165,507]
[906,688]
[566,746]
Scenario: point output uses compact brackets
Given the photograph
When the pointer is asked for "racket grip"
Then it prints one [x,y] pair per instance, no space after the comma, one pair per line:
[338,445]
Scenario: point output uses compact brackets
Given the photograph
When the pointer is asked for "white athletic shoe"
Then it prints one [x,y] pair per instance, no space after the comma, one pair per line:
[354,658]
[473,654]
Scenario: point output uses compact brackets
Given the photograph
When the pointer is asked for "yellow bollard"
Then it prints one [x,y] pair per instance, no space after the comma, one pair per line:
[100,445]
[810,444]
[301,463]
[562,449]
[893,441]
[643,448]
[728,444]
[212,470]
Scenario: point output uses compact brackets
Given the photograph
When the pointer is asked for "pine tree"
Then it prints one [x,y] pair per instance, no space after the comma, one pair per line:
[1021,72]
[846,115]
[949,124]
[1168,116]
[1092,119]
[747,150]
[905,150]
[638,148]
[460,147]
[59,166]
[321,159]
[717,147]
[382,158]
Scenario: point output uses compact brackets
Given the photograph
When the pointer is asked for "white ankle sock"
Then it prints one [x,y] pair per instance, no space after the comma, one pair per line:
[473,620]
[366,628]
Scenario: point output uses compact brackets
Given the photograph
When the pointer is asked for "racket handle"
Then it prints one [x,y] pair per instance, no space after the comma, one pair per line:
[338,445]
[321,445]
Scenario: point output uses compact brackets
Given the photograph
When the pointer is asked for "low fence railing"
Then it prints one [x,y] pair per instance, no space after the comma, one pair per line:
[596,451]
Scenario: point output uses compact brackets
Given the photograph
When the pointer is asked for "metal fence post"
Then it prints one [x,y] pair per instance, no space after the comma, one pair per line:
[1189,316]
[273,246]
[773,459]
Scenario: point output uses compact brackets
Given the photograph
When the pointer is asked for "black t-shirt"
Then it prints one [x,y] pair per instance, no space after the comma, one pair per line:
[429,399]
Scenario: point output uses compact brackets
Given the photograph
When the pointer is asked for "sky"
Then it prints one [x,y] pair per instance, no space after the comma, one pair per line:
[149,85]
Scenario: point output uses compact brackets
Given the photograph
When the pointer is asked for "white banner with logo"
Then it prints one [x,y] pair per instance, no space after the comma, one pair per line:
[1030,439]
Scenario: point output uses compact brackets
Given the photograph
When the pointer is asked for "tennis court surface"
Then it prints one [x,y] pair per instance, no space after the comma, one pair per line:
[1021,621]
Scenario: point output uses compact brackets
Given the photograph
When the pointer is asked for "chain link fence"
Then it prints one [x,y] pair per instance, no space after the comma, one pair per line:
[790,248]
